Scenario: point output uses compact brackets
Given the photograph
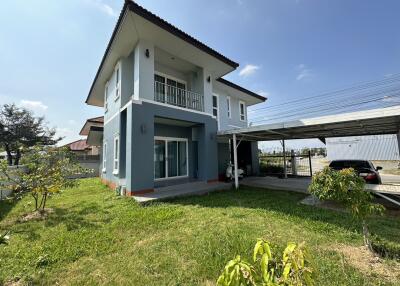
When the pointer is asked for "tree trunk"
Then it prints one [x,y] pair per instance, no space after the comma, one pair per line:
[9,156]
[44,200]
[367,241]
[17,157]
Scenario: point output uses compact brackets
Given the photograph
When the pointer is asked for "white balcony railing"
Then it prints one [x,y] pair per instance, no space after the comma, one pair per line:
[177,96]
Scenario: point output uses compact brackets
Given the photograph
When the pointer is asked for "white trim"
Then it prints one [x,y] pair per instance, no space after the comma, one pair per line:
[104,157]
[244,110]
[106,94]
[111,118]
[212,105]
[116,154]
[229,106]
[134,101]
[171,78]
[174,139]
[176,107]
[117,84]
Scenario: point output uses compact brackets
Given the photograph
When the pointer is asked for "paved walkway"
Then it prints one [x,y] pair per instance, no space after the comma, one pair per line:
[187,189]
[289,184]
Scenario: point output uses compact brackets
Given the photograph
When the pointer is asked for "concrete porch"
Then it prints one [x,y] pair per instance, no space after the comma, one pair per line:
[186,189]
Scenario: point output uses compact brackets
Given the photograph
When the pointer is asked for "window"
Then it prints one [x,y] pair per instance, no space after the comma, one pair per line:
[242,111]
[116,155]
[228,106]
[117,82]
[106,97]
[170,158]
[215,105]
[169,90]
[104,157]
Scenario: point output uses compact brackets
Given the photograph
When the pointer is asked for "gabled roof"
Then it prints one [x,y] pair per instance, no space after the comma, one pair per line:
[78,145]
[95,121]
[242,89]
[139,10]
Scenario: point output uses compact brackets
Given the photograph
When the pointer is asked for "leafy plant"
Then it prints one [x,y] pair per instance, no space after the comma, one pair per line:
[346,187]
[294,268]
[46,171]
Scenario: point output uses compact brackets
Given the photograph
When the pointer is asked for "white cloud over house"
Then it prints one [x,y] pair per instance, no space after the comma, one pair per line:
[36,106]
[103,7]
[303,72]
[248,70]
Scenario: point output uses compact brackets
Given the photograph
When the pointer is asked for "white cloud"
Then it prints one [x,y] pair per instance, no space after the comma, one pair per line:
[248,70]
[68,134]
[71,122]
[103,7]
[304,72]
[263,93]
[36,106]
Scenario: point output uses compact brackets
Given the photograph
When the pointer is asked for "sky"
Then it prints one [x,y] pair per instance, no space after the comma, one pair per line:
[287,50]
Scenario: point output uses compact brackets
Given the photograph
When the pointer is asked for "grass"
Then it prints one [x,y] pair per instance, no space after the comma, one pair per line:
[94,237]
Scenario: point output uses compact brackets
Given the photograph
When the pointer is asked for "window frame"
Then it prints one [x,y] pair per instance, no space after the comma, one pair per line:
[166,140]
[116,155]
[104,157]
[216,108]
[106,94]
[228,104]
[117,72]
[241,102]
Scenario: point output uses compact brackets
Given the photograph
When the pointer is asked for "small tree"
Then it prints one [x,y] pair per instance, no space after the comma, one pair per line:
[347,188]
[19,128]
[293,269]
[46,171]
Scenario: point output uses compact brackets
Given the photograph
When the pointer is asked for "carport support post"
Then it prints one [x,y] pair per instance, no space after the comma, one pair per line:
[235,162]
[284,159]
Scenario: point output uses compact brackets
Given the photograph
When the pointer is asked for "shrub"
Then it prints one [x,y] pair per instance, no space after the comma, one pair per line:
[346,187]
[294,268]
[46,171]
[385,248]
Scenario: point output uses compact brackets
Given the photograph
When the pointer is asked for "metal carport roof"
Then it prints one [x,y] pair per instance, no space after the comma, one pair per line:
[367,122]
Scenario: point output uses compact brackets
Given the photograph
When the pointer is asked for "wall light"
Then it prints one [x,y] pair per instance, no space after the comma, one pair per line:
[147,53]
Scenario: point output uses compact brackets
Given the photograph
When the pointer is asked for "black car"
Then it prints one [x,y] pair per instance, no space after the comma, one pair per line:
[364,168]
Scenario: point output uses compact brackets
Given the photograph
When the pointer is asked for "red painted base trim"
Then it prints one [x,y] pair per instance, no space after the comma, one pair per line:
[109,184]
[139,192]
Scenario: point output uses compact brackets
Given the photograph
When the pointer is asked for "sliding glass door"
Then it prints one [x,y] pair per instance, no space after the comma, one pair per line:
[170,157]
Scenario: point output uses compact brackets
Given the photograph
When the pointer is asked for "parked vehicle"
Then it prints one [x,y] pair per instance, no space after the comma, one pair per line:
[230,172]
[364,168]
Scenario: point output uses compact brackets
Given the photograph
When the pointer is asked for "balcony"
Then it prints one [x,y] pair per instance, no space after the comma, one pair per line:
[176,96]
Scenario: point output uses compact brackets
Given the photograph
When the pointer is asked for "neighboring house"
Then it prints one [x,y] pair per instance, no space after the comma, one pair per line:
[164,101]
[374,147]
[81,148]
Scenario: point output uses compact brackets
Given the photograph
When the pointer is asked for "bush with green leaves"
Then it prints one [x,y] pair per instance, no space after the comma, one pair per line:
[45,171]
[293,268]
[347,188]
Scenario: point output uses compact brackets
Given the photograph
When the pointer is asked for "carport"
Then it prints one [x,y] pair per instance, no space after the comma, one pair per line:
[369,122]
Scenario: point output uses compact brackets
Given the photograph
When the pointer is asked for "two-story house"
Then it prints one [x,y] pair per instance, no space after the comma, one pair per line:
[164,101]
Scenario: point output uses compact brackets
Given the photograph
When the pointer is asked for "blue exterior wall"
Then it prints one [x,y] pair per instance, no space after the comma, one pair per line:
[138,146]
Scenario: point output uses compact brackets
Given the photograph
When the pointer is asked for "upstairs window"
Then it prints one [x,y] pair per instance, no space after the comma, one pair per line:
[117,82]
[228,106]
[116,155]
[215,105]
[104,157]
[242,111]
[106,98]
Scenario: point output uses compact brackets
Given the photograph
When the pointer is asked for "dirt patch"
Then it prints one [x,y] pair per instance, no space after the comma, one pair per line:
[368,263]
[36,215]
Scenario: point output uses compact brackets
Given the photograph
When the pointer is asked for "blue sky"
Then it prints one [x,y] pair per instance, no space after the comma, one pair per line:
[289,49]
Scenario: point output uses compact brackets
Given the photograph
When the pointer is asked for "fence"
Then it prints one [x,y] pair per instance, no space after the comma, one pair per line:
[296,164]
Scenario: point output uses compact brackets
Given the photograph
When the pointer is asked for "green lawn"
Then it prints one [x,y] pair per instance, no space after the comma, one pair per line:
[94,237]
